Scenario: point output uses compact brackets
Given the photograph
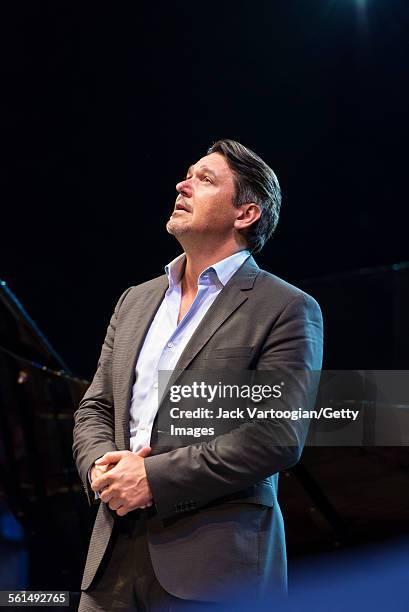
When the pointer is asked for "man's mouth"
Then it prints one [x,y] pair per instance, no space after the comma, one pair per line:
[180,206]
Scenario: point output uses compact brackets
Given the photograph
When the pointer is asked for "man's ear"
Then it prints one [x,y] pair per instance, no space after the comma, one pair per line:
[247,215]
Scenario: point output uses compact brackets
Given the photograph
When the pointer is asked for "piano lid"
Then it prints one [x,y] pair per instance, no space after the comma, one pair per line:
[20,335]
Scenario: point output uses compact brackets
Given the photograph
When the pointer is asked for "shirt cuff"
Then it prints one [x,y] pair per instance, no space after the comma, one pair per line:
[97,495]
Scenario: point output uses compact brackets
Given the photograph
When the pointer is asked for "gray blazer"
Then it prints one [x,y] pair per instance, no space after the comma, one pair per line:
[218,524]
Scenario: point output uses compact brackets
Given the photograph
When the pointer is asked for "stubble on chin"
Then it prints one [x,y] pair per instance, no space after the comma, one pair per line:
[170,226]
[174,227]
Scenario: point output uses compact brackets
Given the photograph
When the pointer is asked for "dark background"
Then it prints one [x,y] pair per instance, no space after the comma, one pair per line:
[103,108]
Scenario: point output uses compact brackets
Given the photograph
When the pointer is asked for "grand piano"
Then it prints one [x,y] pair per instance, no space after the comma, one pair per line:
[44,518]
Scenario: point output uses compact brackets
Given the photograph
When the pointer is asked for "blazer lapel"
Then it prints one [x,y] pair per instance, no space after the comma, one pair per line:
[129,347]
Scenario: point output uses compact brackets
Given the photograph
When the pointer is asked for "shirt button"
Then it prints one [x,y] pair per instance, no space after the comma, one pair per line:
[170,344]
[155,386]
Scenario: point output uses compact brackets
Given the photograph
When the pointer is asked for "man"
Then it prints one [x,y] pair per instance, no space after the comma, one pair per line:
[181,525]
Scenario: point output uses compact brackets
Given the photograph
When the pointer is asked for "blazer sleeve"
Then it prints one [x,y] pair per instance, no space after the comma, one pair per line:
[203,472]
[94,431]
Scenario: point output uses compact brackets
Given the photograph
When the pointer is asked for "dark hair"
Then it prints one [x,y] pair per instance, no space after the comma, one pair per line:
[254,182]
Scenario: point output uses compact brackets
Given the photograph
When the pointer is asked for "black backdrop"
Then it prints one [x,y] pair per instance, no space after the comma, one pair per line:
[104,106]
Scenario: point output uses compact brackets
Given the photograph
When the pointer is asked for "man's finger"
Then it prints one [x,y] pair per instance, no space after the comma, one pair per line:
[144,452]
[101,481]
[112,457]
[106,494]
[114,504]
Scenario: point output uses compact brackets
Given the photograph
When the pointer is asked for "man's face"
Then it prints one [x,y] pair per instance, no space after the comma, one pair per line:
[204,205]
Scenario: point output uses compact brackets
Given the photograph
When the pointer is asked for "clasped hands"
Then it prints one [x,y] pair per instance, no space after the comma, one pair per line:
[121,481]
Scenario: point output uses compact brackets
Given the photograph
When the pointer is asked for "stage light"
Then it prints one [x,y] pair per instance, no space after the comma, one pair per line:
[361,6]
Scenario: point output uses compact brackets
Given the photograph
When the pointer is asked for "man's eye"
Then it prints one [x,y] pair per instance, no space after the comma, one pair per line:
[206,178]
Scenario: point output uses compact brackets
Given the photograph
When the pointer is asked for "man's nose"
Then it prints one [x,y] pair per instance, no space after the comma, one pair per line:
[184,188]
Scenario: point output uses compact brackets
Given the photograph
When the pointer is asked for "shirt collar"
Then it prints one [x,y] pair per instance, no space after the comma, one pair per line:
[222,270]
[174,270]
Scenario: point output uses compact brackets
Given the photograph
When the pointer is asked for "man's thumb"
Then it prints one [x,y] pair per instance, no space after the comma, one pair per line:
[112,457]
[144,452]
